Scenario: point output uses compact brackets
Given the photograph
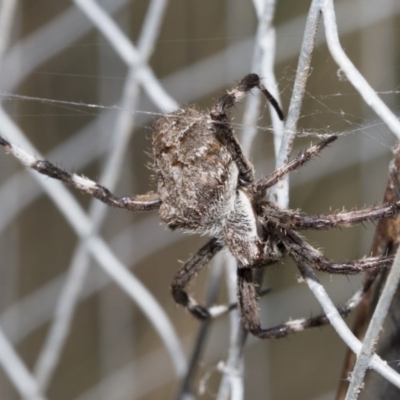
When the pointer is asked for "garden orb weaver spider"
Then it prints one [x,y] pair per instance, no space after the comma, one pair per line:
[206,186]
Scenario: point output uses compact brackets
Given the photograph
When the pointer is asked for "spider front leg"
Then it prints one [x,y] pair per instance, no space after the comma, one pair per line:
[224,131]
[302,158]
[146,202]
[249,82]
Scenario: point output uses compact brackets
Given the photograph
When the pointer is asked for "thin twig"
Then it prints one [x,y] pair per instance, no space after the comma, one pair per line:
[386,240]
[341,328]
[366,353]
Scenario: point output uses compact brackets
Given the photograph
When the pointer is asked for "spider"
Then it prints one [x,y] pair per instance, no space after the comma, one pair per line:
[206,185]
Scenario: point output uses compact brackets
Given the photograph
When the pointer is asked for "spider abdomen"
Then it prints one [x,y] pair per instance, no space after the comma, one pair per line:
[196,175]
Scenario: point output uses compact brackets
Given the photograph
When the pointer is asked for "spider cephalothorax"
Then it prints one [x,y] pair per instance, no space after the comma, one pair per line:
[205,185]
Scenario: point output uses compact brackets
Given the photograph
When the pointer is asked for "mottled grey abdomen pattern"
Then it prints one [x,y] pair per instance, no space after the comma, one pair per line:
[196,175]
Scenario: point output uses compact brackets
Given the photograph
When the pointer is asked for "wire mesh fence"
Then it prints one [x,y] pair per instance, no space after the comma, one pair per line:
[85,306]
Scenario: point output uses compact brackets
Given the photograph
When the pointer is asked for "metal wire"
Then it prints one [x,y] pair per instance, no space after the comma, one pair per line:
[86,226]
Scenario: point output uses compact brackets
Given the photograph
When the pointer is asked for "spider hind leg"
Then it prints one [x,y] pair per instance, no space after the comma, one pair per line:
[248,306]
[186,274]
[146,202]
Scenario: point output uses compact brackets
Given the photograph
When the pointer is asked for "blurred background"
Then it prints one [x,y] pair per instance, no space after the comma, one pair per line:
[70,90]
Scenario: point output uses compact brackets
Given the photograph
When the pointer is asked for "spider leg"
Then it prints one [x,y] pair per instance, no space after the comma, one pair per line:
[249,82]
[263,184]
[248,306]
[146,202]
[304,253]
[186,274]
[223,129]
[292,220]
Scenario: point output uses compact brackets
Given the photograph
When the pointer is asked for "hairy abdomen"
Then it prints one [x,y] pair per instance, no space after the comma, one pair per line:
[196,175]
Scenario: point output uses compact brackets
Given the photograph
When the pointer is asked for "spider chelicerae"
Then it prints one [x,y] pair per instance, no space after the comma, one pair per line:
[206,185]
